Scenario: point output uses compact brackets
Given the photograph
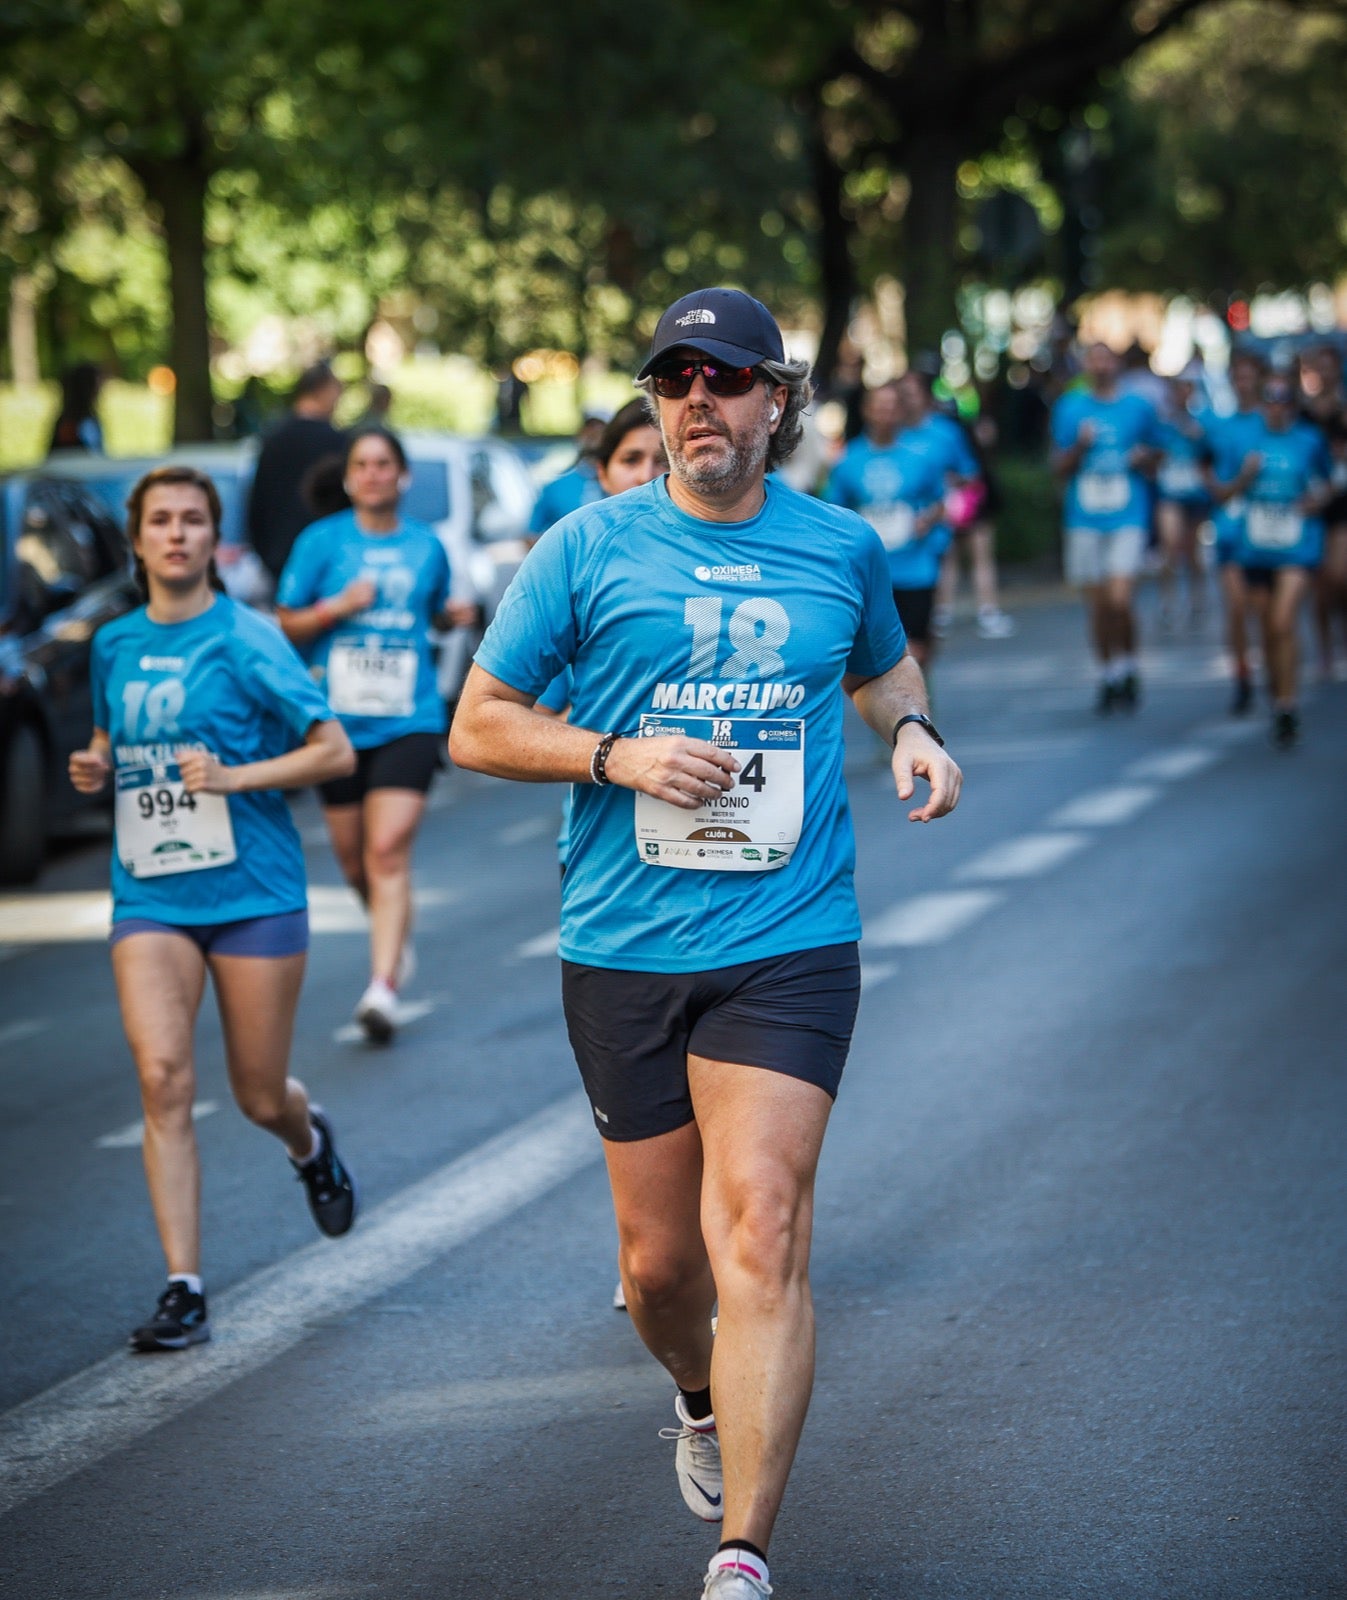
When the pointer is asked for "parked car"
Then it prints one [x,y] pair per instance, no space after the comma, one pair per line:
[64,571]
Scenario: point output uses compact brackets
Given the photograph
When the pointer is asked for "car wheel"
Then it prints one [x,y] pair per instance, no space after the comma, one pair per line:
[23,829]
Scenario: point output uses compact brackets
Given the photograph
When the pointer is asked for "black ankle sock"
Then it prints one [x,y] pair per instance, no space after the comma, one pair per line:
[742,1544]
[697,1403]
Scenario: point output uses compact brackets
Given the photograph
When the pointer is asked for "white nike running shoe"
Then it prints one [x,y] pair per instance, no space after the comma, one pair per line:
[697,1461]
[377,1012]
[727,1584]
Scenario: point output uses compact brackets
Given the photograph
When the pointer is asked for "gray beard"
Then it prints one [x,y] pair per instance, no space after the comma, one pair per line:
[734,467]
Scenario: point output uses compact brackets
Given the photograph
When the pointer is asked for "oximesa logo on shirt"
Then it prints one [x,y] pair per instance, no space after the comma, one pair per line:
[751,572]
[695,316]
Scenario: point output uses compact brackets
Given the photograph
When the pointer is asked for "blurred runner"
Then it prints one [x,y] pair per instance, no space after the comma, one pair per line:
[202,714]
[359,595]
[1229,440]
[710,970]
[579,484]
[1324,403]
[1284,481]
[1182,498]
[900,492]
[1103,444]
[973,508]
[277,511]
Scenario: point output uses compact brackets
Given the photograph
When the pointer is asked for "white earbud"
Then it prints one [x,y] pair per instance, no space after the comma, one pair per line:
[776,412]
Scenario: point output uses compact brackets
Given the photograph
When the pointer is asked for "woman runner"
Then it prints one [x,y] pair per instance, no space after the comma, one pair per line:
[202,714]
[360,592]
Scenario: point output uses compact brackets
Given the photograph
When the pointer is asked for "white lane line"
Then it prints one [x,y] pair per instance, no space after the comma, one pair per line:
[69,915]
[546,944]
[1103,808]
[1168,766]
[533,828]
[1230,732]
[109,1405]
[131,1136]
[408,1011]
[873,972]
[17,1032]
[1024,857]
[929,918]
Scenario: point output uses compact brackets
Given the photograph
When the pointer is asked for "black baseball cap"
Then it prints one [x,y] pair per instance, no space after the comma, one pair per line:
[725,323]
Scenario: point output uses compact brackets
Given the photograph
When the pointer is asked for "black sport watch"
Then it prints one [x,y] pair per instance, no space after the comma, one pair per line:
[924,720]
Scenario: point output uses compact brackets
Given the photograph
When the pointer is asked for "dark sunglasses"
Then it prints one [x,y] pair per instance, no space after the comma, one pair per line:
[673,379]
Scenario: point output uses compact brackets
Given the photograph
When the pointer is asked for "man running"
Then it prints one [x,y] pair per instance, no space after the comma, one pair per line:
[1104,442]
[709,925]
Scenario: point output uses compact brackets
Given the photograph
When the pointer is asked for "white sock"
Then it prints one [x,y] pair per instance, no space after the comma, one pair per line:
[736,1560]
[1127,665]
[315,1150]
[190,1279]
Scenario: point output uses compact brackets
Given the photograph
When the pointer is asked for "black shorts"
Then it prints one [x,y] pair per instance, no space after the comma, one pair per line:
[632,1032]
[1266,577]
[406,763]
[914,612]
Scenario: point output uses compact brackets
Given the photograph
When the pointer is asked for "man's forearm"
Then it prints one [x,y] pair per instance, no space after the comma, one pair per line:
[896,693]
[508,739]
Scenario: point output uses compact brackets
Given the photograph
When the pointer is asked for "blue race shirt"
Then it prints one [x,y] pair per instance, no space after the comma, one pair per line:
[945,445]
[577,486]
[1229,439]
[376,666]
[749,624]
[888,485]
[227,681]
[1183,439]
[1106,494]
[1274,532]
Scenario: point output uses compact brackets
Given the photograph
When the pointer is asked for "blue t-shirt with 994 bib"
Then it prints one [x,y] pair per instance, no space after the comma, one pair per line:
[1105,493]
[737,632]
[229,682]
[889,485]
[376,667]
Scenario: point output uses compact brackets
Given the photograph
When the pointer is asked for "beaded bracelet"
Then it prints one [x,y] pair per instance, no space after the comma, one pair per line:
[598,762]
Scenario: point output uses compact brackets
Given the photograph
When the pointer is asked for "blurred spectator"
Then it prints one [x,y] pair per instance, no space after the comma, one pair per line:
[375,415]
[324,487]
[77,426]
[277,512]
[510,394]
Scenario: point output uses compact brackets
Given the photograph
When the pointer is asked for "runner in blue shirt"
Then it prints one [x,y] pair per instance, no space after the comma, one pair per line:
[1230,437]
[1104,444]
[568,491]
[359,595]
[711,621]
[1284,483]
[900,491]
[202,714]
[1182,501]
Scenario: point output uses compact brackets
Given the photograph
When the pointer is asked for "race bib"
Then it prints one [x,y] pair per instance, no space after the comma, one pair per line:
[162,829]
[371,680]
[1101,493]
[1179,479]
[1274,527]
[753,827]
[895,524]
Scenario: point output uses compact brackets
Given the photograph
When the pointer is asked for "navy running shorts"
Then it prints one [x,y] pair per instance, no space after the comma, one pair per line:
[632,1032]
[286,934]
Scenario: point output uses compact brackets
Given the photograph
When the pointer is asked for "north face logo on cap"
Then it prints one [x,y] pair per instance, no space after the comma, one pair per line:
[695,316]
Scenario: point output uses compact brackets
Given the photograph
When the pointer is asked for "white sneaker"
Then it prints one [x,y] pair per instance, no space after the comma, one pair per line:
[697,1461]
[377,1012]
[619,1297]
[993,624]
[406,966]
[727,1584]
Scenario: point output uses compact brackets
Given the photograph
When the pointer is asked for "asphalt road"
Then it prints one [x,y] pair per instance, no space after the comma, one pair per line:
[1080,1248]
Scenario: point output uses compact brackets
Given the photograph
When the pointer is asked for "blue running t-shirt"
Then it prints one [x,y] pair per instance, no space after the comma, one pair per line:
[577,486]
[1229,439]
[376,667]
[227,681]
[1183,438]
[1274,532]
[1106,493]
[737,632]
[889,485]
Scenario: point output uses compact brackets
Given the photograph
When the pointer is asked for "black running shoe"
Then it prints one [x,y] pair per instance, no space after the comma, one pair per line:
[1129,692]
[179,1320]
[1241,702]
[1285,729]
[329,1186]
[1107,698]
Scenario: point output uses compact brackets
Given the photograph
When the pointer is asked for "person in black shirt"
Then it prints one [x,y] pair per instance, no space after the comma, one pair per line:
[277,512]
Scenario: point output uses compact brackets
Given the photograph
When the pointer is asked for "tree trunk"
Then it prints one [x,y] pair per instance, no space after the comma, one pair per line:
[23,362]
[178,188]
[930,244]
[837,271]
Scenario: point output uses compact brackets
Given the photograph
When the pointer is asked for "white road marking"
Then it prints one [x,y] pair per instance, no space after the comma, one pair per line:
[929,918]
[106,1407]
[408,1011]
[533,828]
[17,1032]
[1103,808]
[58,918]
[1232,732]
[545,944]
[1168,766]
[873,972]
[1024,857]
[130,1137]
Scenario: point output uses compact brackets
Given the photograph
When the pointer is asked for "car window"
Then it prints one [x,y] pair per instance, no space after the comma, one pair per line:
[500,486]
[427,498]
[65,542]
